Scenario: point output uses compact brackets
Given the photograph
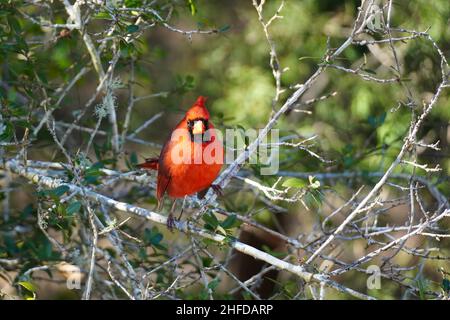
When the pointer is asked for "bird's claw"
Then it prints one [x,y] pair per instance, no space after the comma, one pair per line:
[170,222]
[217,189]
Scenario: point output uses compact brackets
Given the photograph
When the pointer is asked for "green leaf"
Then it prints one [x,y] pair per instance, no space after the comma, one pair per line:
[229,240]
[61,209]
[133,158]
[27,211]
[133,3]
[376,121]
[446,285]
[203,295]
[295,183]
[422,285]
[156,239]
[102,15]
[192,7]
[348,161]
[27,285]
[73,207]
[273,253]
[206,261]
[132,28]
[97,166]
[349,148]
[208,242]
[211,221]
[23,124]
[6,131]
[314,198]
[381,118]
[14,24]
[93,172]
[372,121]
[31,290]
[153,238]
[225,28]
[44,250]
[213,284]
[229,222]
[184,84]
[59,191]
[370,71]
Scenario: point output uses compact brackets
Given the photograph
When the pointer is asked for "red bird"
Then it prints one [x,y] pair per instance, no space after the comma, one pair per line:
[190,160]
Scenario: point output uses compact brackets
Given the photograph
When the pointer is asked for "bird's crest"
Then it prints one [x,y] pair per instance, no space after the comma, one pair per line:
[198,110]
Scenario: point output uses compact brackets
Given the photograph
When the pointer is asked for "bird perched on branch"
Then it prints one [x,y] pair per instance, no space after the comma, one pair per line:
[190,160]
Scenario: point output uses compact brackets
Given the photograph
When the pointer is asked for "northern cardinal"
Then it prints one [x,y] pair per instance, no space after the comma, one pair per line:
[190,160]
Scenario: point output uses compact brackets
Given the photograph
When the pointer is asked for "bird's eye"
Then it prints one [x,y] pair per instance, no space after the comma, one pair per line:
[190,123]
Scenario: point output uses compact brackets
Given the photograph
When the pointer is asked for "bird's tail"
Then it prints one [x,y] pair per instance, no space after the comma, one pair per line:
[149,164]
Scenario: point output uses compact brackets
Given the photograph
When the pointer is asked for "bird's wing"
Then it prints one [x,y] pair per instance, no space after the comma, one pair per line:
[164,172]
[163,184]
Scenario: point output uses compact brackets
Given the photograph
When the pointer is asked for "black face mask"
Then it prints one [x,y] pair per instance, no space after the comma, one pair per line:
[204,137]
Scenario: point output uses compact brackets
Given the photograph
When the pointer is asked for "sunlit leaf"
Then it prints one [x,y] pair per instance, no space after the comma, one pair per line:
[295,183]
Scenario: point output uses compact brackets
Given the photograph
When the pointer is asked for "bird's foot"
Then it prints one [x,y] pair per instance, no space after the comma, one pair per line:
[170,222]
[217,189]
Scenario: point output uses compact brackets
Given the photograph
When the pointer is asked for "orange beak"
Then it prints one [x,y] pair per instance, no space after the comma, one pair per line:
[199,127]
